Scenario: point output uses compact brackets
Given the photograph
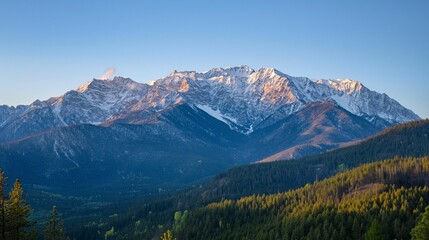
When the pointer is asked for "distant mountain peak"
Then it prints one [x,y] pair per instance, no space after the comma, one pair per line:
[249,96]
[346,85]
[241,93]
[113,84]
[269,71]
[242,70]
[84,87]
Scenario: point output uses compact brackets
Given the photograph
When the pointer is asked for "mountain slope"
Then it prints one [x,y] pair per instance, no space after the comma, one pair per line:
[345,206]
[7,113]
[317,127]
[403,140]
[91,103]
[180,146]
[181,143]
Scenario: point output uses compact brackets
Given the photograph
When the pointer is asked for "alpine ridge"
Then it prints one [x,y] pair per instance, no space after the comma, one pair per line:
[242,97]
[247,97]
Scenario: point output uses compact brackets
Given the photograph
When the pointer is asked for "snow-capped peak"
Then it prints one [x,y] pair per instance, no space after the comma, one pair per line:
[250,96]
[82,88]
[268,72]
[239,71]
[346,85]
[241,96]
[109,84]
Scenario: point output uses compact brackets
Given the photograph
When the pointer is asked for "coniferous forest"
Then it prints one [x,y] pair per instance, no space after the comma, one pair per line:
[375,201]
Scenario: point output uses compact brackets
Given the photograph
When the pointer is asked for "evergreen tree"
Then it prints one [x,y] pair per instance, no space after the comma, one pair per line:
[3,198]
[421,230]
[374,232]
[17,212]
[55,227]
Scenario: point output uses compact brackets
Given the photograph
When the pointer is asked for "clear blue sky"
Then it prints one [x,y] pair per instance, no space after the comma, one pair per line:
[49,47]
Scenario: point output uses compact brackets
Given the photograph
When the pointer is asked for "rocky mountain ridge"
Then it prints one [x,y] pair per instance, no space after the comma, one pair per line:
[242,97]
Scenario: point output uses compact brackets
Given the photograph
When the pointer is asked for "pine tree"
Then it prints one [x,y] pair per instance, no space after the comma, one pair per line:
[334,235]
[374,232]
[55,227]
[421,230]
[3,198]
[18,212]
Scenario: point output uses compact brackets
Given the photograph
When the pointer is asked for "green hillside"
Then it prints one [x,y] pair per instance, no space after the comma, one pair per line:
[378,199]
[409,139]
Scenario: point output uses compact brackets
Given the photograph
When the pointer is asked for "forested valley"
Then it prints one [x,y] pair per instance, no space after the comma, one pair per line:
[155,216]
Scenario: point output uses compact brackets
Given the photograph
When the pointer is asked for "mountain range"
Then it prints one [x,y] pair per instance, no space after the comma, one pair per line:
[186,127]
[243,98]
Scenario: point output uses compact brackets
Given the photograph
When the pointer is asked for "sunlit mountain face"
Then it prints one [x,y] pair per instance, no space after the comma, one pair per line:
[239,96]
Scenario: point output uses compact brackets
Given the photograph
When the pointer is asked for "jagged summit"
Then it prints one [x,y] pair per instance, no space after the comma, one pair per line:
[244,96]
[116,82]
[239,71]
[346,85]
[250,96]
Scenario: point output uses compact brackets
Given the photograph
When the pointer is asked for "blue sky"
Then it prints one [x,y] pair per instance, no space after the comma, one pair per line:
[50,47]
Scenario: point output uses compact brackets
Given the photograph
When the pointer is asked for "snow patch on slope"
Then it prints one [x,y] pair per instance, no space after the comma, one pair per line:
[68,153]
[216,114]
[231,122]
